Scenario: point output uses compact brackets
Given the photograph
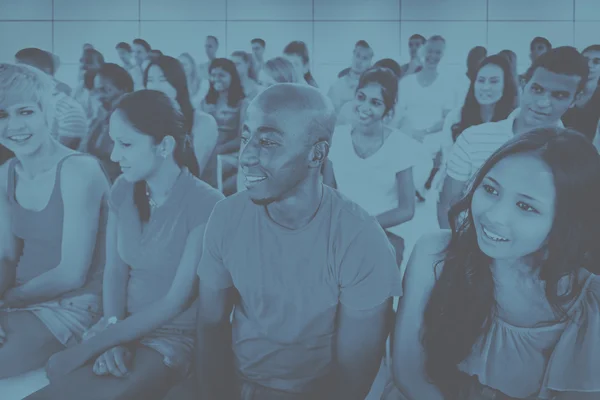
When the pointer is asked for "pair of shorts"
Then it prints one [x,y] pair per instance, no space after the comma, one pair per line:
[67,319]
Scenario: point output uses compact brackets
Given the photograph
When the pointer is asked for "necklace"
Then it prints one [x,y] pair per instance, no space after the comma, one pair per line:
[151,201]
[153,204]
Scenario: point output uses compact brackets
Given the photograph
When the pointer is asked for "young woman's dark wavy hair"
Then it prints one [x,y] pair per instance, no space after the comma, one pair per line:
[235,93]
[386,78]
[471,110]
[462,303]
[299,49]
[175,75]
[153,113]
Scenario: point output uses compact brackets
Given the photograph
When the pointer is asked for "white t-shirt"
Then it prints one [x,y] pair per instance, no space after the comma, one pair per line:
[421,107]
[371,182]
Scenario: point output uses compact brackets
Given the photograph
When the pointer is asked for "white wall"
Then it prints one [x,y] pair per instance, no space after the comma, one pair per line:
[329,27]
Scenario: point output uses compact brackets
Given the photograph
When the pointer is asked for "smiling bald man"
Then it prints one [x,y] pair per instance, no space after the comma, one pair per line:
[309,274]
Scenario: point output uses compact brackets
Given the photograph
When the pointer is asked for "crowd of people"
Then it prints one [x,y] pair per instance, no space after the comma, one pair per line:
[230,230]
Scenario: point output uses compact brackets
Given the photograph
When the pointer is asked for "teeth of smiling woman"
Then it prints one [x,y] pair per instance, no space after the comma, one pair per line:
[255,179]
[494,236]
[19,138]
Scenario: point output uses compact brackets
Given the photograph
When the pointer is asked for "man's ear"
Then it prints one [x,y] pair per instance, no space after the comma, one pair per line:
[319,153]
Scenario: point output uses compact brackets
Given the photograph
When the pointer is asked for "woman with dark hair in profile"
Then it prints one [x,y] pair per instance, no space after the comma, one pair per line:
[166,75]
[492,96]
[505,305]
[297,53]
[245,67]
[158,210]
[226,102]
[584,116]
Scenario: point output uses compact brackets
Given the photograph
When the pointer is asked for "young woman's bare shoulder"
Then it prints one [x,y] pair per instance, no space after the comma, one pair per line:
[433,244]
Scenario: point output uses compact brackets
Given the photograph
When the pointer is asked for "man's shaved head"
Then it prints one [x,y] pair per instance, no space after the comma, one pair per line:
[300,99]
[285,141]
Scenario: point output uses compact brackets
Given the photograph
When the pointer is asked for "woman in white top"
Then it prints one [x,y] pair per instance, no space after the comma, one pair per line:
[371,163]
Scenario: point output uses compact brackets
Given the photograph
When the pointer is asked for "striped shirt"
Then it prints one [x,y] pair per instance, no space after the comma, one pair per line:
[476,144]
[70,120]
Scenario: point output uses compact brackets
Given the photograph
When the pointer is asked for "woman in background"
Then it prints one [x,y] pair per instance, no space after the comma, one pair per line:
[90,63]
[245,66]
[194,82]
[505,305]
[158,210]
[492,97]
[52,234]
[277,70]
[226,102]
[346,114]
[297,53]
[166,75]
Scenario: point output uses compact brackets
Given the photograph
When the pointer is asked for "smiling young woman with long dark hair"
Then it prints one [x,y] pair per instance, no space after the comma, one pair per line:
[505,305]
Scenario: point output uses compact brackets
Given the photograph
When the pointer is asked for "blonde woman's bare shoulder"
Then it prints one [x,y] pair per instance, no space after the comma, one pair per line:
[4,177]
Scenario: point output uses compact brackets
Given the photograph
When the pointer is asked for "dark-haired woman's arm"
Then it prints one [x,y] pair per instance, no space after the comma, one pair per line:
[116,275]
[179,297]
[408,355]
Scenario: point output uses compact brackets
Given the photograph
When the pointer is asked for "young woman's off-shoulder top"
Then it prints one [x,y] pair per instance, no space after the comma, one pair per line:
[533,362]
